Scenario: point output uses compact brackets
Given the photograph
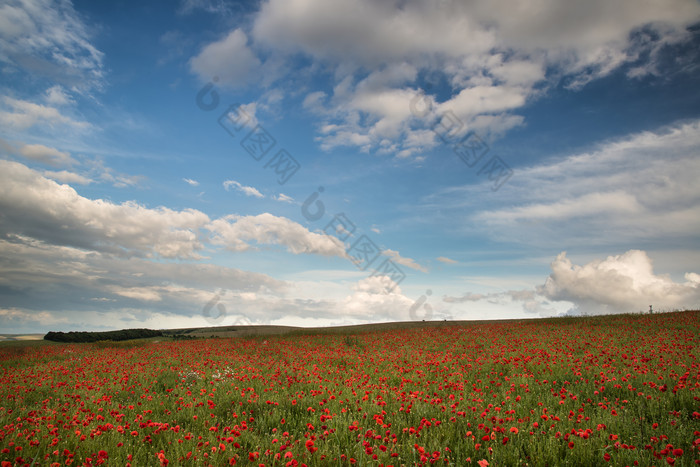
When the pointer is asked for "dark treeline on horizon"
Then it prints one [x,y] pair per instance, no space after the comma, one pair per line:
[87,336]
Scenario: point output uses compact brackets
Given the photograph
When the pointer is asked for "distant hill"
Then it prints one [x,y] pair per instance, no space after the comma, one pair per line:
[253,330]
[21,337]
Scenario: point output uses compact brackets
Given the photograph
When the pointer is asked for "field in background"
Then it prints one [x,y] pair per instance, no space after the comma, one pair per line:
[21,337]
[621,389]
[267,330]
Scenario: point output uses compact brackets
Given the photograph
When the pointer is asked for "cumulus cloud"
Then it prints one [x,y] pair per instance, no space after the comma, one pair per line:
[494,55]
[624,283]
[90,170]
[240,233]
[387,117]
[369,33]
[617,284]
[246,190]
[37,207]
[229,60]
[124,291]
[105,291]
[40,208]
[376,299]
[190,182]
[493,60]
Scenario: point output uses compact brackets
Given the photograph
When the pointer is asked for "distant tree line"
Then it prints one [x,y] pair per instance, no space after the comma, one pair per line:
[83,336]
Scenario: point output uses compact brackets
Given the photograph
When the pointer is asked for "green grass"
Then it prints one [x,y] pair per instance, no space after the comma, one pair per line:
[415,389]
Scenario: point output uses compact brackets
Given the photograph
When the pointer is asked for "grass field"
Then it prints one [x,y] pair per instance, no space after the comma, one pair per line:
[617,390]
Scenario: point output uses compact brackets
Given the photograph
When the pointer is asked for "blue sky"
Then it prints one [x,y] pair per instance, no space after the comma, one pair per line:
[184,164]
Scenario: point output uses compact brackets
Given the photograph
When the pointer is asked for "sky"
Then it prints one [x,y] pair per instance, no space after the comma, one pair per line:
[326,162]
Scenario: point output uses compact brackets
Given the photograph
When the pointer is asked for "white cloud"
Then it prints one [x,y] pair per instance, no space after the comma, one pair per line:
[250,109]
[230,60]
[638,188]
[15,316]
[376,299]
[190,182]
[369,33]
[237,233]
[446,260]
[478,100]
[216,7]
[101,273]
[467,297]
[494,297]
[143,294]
[106,292]
[623,283]
[21,114]
[38,153]
[96,169]
[315,102]
[65,176]
[494,55]
[617,284]
[56,95]
[610,203]
[48,38]
[284,198]
[408,262]
[515,73]
[119,180]
[47,155]
[37,207]
[246,190]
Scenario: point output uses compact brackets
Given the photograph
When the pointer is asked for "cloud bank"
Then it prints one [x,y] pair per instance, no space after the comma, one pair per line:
[491,57]
[34,206]
[624,283]
[636,190]
[618,284]
[68,259]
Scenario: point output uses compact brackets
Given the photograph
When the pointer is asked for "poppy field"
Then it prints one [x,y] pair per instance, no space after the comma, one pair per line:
[609,390]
